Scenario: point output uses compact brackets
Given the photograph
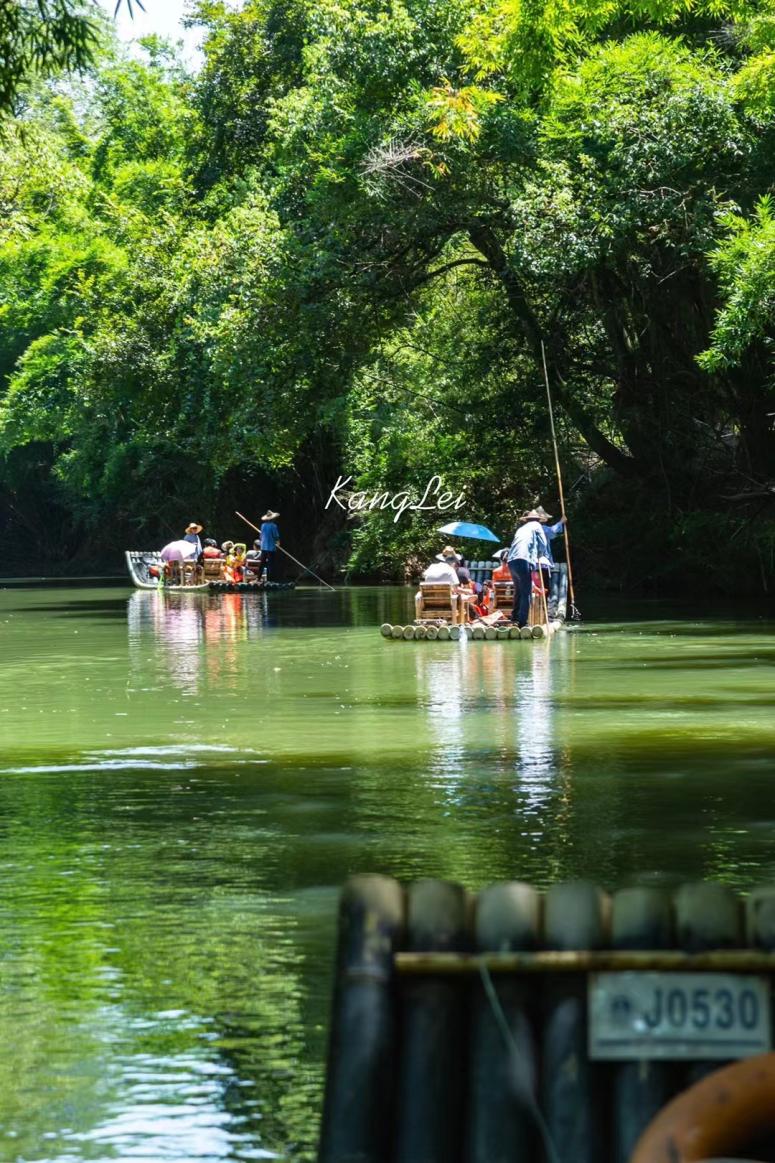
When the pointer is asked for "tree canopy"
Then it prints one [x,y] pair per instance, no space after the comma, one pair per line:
[344,244]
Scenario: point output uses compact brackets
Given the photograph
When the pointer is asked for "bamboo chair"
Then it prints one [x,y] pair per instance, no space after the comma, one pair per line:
[436,602]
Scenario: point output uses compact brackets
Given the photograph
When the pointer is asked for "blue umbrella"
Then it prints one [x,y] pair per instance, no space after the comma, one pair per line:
[467,529]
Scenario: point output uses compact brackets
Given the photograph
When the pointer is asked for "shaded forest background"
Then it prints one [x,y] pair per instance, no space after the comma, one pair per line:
[338,248]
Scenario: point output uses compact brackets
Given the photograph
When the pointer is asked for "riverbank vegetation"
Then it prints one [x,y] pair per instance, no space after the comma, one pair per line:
[340,247]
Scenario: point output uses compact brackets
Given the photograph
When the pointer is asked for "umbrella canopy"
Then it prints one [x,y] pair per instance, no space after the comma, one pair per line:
[178,551]
[467,529]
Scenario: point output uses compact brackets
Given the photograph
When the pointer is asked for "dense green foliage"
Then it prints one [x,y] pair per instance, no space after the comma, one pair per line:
[342,247]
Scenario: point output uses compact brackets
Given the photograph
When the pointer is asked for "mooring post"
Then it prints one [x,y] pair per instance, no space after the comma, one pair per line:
[502,1099]
[358,1110]
[575,917]
[641,918]
[431,1071]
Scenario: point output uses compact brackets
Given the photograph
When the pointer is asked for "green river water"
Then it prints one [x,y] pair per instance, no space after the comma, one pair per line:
[186,780]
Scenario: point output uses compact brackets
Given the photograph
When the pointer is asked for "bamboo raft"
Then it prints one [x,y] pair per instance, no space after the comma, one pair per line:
[540,625]
[140,562]
[460,1028]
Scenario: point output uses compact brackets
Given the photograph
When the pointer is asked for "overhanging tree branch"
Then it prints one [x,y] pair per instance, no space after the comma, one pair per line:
[486,242]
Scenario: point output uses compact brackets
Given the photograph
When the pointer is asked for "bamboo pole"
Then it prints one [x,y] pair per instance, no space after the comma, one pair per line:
[586,961]
[295,560]
[574,611]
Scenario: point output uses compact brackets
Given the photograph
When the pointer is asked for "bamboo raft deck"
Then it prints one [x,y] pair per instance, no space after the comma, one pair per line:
[472,631]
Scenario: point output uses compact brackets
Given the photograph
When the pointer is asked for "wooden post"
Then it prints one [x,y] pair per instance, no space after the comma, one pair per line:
[502,1086]
[432,1063]
[574,918]
[641,919]
[358,1110]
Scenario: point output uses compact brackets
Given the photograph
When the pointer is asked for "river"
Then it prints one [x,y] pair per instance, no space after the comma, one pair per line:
[186,780]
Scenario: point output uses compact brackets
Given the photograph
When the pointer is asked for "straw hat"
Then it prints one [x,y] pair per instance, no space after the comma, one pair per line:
[194,528]
[500,554]
[531,515]
[544,516]
[446,552]
[270,516]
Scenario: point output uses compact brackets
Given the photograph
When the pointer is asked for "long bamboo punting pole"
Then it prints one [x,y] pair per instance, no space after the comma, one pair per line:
[574,611]
[285,551]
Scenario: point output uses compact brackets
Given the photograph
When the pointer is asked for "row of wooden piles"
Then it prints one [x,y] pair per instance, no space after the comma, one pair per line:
[475,631]
[419,1069]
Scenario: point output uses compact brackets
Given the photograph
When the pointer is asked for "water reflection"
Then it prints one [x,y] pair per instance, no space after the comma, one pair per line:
[195,638]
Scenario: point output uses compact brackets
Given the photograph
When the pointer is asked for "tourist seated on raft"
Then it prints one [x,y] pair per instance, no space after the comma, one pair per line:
[444,571]
[502,571]
[480,608]
[465,578]
[253,565]
[211,549]
[234,569]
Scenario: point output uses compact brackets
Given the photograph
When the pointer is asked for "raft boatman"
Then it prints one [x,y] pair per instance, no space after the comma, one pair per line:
[270,539]
[525,552]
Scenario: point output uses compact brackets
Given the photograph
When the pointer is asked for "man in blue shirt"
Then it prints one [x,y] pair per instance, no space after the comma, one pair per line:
[526,550]
[270,539]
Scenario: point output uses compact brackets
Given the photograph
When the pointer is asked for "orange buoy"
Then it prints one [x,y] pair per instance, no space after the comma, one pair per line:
[718,1115]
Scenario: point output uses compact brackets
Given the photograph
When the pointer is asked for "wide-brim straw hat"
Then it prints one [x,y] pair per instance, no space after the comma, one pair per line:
[500,554]
[269,515]
[531,515]
[544,516]
[194,528]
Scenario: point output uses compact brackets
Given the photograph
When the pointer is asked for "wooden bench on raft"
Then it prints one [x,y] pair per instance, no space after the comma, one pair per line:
[436,602]
[474,1029]
[183,573]
[502,596]
[213,568]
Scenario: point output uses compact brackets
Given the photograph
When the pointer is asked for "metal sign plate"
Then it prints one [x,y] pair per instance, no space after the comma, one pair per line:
[635,1016]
